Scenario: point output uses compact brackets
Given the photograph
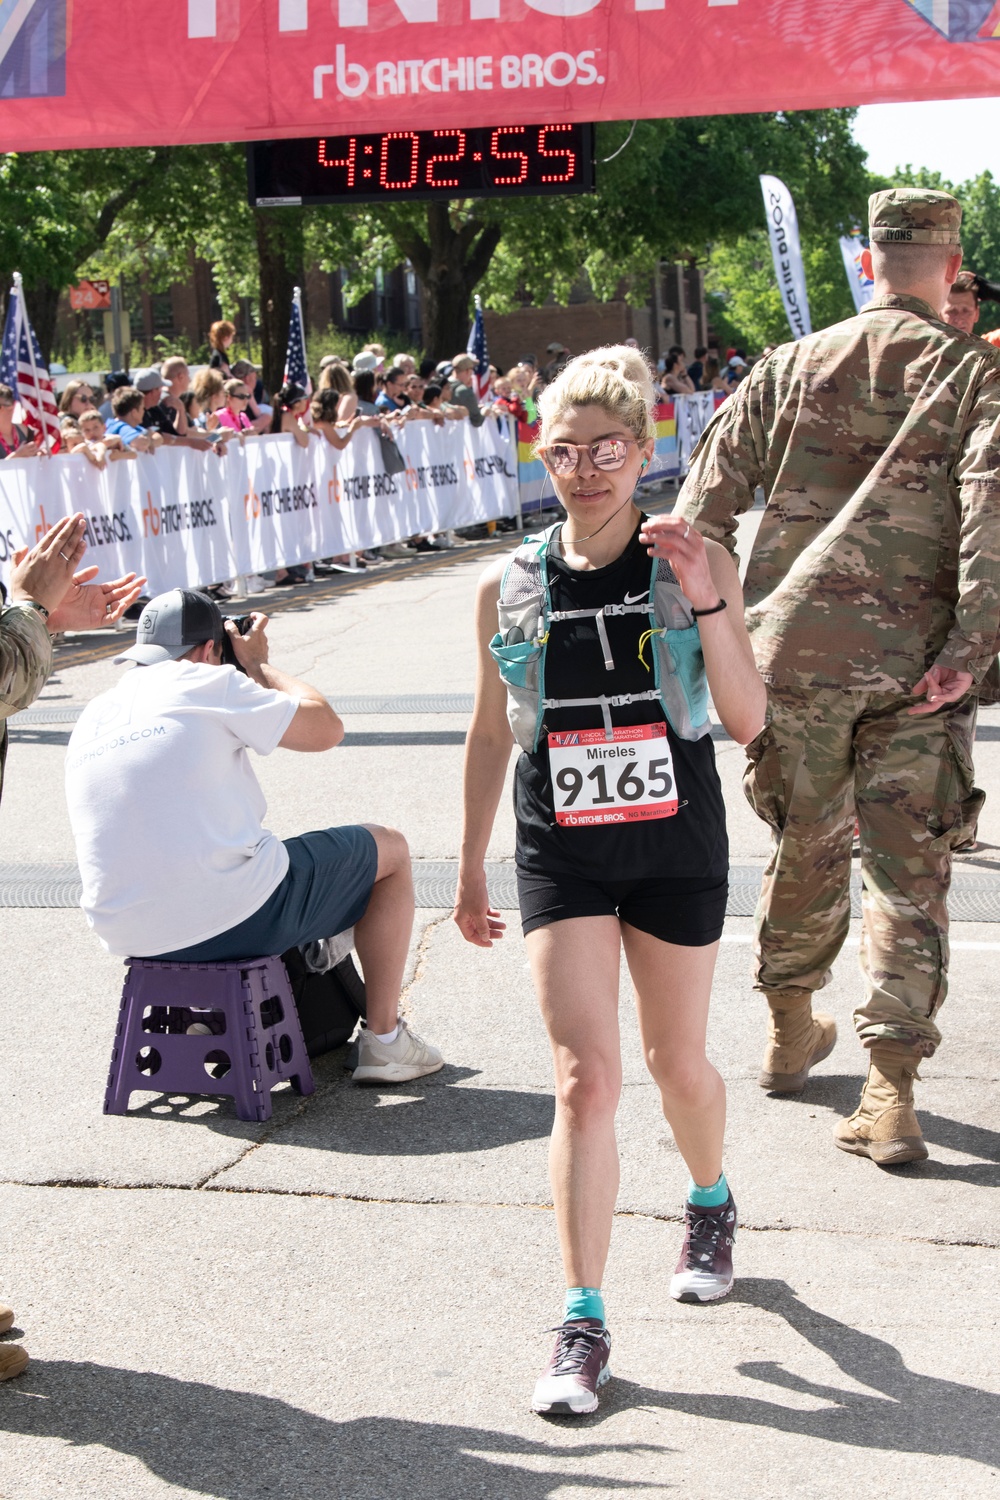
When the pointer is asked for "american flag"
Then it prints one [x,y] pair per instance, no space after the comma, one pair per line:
[295,355]
[477,347]
[24,370]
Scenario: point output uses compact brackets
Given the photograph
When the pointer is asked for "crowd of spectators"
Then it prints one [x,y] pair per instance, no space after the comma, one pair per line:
[225,402]
[706,372]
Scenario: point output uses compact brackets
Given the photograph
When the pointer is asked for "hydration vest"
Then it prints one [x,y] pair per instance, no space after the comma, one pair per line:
[677,674]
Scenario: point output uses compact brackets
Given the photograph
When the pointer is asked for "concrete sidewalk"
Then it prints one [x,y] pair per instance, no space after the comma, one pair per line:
[350,1300]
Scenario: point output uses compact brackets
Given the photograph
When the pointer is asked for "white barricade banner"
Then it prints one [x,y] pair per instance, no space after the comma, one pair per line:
[163,515]
[180,513]
[276,501]
[186,518]
[693,415]
[373,507]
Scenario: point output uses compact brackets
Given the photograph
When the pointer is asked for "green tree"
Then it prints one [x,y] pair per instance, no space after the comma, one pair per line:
[676,186]
[980,200]
[57,209]
[747,310]
[824,169]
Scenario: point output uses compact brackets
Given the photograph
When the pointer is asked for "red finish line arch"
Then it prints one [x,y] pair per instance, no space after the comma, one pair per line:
[309,67]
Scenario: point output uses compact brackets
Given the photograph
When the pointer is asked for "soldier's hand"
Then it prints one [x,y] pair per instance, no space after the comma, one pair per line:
[45,572]
[90,606]
[942,685]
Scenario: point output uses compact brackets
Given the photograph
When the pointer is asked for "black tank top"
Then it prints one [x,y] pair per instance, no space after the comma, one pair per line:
[693,842]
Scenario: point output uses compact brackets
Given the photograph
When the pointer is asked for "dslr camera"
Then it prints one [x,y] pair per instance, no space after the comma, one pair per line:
[229,657]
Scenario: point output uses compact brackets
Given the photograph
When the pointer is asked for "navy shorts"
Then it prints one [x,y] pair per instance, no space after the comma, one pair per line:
[688,913]
[326,889]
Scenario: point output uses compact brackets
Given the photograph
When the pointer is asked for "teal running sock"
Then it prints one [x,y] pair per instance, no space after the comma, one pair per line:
[583,1302]
[709,1197]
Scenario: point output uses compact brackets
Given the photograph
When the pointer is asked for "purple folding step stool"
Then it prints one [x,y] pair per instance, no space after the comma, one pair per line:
[248,1036]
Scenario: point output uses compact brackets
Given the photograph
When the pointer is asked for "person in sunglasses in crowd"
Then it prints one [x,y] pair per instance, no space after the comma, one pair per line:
[597,661]
[234,413]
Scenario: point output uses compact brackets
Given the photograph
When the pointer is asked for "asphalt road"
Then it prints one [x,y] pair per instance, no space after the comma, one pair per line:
[351,1299]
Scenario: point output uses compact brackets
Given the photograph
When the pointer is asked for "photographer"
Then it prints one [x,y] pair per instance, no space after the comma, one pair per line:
[166,812]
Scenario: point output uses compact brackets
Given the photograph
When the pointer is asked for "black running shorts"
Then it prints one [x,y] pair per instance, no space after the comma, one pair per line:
[688,913]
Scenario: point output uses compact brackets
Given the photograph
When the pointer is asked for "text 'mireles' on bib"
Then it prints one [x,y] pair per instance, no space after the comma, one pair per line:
[629,779]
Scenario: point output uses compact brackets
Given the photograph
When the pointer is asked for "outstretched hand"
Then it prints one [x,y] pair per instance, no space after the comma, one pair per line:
[88,606]
[941,685]
[45,572]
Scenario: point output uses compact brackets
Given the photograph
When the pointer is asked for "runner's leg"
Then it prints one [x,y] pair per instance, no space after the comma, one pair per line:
[575,966]
[673,986]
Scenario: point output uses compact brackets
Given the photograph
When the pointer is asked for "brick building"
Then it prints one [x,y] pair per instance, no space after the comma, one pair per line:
[673,312]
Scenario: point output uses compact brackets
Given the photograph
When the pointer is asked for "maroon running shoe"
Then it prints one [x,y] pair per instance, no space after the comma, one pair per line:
[569,1384]
[705,1269]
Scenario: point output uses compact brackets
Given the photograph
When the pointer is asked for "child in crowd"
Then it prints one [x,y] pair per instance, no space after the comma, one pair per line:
[290,406]
[234,413]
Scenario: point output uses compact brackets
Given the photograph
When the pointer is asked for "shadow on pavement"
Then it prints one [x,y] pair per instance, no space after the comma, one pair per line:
[840,1094]
[429,1117]
[902,1412]
[233,1445]
[26,735]
[957,1136]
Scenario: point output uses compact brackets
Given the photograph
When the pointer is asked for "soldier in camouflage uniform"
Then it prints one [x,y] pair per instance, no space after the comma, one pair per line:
[47,594]
[873,594]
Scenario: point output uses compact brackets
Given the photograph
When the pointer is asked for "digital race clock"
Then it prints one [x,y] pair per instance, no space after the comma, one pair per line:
[481,162]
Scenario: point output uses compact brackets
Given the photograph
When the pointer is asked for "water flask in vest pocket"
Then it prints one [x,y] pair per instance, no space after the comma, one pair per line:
[517,660]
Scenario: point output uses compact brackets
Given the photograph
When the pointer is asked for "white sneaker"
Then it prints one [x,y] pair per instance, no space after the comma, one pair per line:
[409,1056]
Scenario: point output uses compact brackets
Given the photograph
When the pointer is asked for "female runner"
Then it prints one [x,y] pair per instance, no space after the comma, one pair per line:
[621,836]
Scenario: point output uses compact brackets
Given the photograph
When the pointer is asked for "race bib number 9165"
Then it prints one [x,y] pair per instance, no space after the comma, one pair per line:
[625,780]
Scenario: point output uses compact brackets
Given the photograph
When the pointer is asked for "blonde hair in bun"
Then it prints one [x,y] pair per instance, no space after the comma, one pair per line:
[616,378]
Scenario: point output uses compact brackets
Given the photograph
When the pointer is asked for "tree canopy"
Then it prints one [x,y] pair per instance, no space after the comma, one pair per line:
[674,189]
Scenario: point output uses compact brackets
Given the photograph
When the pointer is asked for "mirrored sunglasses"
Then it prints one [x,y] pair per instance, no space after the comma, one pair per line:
[563,459]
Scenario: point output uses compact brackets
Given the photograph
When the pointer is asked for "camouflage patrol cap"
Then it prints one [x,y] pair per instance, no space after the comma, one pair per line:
[914,216]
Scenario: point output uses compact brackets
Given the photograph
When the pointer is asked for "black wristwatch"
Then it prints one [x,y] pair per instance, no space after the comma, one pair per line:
[34,604]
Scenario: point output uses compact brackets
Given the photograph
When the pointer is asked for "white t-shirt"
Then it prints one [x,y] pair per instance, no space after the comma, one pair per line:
[166,810]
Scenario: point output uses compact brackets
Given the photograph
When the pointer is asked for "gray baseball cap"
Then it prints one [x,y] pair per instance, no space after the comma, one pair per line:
[171,624]
[147,380]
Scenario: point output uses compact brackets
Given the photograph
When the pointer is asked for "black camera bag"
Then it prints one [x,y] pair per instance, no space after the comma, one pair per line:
[329,1004]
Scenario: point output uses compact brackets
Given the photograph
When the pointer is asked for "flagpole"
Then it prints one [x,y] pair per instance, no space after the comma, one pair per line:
[19,290]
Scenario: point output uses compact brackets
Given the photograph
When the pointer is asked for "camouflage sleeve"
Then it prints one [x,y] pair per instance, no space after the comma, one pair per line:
[971,642]
[726,466]
[25,658]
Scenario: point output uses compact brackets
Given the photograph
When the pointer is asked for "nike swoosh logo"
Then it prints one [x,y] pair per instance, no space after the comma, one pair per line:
[634,598]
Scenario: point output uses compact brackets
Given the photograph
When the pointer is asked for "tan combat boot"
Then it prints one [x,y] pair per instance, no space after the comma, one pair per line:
[796,1039]
[13,1359]
[884,1125]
